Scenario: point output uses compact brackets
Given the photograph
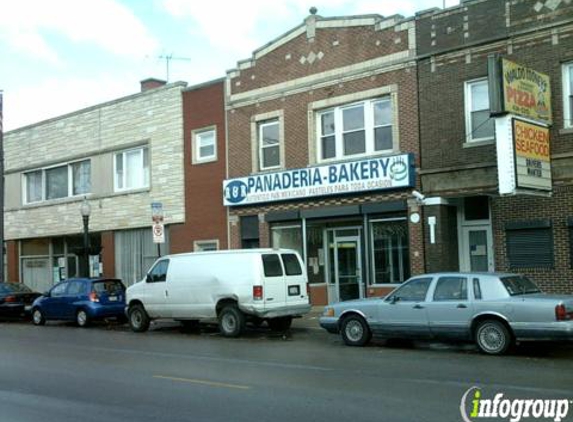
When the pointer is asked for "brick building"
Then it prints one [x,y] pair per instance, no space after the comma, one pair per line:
[121,156]
[205,158]
[475,227]
[323,149]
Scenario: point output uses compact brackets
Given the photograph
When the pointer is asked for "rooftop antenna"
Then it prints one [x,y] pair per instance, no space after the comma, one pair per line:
[168,58]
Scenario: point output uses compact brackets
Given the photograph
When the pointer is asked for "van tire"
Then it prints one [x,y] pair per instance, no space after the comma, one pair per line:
[231,321]
[280,324]
[138,318]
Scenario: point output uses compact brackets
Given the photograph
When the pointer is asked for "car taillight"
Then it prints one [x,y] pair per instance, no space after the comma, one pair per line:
[94,297]
[10,299]
[561,313]
[258,292]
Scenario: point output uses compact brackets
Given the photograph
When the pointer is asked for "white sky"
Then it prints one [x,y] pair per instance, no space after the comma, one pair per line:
[57,56]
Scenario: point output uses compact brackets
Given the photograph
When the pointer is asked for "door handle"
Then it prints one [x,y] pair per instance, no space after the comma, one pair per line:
[418,306]
[461,306]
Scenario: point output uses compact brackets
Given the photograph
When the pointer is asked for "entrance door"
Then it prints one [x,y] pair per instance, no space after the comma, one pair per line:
[477,249]
[347,268]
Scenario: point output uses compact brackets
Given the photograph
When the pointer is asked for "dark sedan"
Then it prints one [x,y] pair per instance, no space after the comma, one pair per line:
[16,299]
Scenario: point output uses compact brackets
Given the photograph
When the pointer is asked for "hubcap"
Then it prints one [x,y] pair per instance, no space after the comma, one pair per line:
[354,331]
[491,338]
[82,318]
[229,323]
[136,319]
[37,317]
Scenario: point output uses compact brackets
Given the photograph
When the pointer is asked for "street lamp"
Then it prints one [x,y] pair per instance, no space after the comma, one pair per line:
[85,211]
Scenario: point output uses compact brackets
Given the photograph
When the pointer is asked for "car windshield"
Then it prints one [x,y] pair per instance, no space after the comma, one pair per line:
[519,285]
[14,288]
[108,286]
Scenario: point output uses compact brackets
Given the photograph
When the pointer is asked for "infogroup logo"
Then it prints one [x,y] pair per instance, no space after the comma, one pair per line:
[474,406]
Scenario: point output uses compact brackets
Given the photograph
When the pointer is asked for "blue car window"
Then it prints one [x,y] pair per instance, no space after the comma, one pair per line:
[76,288]
[59,290]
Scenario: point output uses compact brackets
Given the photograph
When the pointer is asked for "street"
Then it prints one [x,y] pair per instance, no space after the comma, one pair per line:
[60,373]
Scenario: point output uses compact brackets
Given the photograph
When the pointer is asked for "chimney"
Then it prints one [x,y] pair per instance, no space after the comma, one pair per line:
[151,83]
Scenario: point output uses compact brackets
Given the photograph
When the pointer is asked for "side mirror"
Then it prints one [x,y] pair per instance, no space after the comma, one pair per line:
[148,278]
[46,294]
[394,299]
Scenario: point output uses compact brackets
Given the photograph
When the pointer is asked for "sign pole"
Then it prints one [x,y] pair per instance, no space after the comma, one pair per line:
[157,228]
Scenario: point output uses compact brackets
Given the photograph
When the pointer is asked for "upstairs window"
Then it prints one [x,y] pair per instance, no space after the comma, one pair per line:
[568,95]
[358,129]
[269,145]
[66,180]
[131,169]
[479,125]
[204,146]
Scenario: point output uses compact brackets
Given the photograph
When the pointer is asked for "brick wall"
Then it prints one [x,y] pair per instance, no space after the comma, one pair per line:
[206,218]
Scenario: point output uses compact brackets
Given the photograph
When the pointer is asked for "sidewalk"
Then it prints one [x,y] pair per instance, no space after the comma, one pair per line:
[309,320]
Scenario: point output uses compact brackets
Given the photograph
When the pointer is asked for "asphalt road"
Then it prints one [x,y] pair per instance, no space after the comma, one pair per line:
[61,373]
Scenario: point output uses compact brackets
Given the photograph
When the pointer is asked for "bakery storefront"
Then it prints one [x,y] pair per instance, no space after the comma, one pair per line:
[349,221]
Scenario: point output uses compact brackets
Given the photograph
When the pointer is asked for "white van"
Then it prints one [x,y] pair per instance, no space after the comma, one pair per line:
[232,287]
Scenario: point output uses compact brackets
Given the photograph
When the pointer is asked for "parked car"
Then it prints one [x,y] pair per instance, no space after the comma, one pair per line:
[81,300]
[228,287]
[492,309]
[16,299]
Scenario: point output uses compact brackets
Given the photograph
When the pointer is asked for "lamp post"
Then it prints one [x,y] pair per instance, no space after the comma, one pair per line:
[85,211]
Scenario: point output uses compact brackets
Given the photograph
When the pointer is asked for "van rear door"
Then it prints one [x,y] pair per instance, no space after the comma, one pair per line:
[295,279]
[274,291]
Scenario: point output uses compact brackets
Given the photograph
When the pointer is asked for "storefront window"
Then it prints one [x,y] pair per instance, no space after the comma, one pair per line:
[315,254]
[287,237]
[390,253]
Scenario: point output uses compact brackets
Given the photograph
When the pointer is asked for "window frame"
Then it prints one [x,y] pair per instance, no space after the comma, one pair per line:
[44,185]
[369,127]
[146,180]
[198,245]
[196,157]
[261,147]
[469,139]
[567,75]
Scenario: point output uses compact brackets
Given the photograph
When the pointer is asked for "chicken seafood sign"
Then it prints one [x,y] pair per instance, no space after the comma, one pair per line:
[373,174]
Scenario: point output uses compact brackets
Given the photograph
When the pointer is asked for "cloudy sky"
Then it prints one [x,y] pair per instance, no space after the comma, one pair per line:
[58,56]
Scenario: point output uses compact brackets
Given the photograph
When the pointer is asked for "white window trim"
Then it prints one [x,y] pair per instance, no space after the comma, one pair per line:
[369,129]
[198,244]
[256,121]
[467,112]
[70,194]
[261,147]
[195,154]
[567,112]
[124,152]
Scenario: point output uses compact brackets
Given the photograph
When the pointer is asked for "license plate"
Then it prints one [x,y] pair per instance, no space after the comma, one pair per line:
[28,308]
[293,290]
[113,298]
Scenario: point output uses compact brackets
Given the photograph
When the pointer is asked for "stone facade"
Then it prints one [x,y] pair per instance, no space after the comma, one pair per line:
[152,118]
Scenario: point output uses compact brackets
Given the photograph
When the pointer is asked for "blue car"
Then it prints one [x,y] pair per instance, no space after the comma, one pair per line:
[81,300]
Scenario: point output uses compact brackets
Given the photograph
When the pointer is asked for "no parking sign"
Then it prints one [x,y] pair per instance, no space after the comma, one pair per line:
[157,218]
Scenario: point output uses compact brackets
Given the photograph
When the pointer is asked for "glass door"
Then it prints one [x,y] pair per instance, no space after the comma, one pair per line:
[347,267]
[477,249]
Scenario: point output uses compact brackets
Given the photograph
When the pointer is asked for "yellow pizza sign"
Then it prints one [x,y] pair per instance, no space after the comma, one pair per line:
[526,92]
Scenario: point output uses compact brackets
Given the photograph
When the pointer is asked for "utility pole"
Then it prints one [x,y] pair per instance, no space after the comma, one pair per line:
[168,58]
[1,188]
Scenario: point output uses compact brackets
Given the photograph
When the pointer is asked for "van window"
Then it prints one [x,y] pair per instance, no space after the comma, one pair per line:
[272,266]
[159,272]
[292,266]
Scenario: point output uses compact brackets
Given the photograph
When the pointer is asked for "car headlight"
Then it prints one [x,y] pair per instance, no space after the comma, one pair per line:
[328,312]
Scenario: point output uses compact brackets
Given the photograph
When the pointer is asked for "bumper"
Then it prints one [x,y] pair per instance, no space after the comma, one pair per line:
[13,310]
[330,324]
[106,311]
[294,311]
[553,331]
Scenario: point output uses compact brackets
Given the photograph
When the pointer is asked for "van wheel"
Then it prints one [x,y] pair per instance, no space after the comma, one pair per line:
[280,324]
[231,321]
[138,318]
[82,318]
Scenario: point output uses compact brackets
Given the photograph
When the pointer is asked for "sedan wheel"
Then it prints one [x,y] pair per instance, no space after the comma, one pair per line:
[82,318]
[38,317]
[355,331]
[493,338]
